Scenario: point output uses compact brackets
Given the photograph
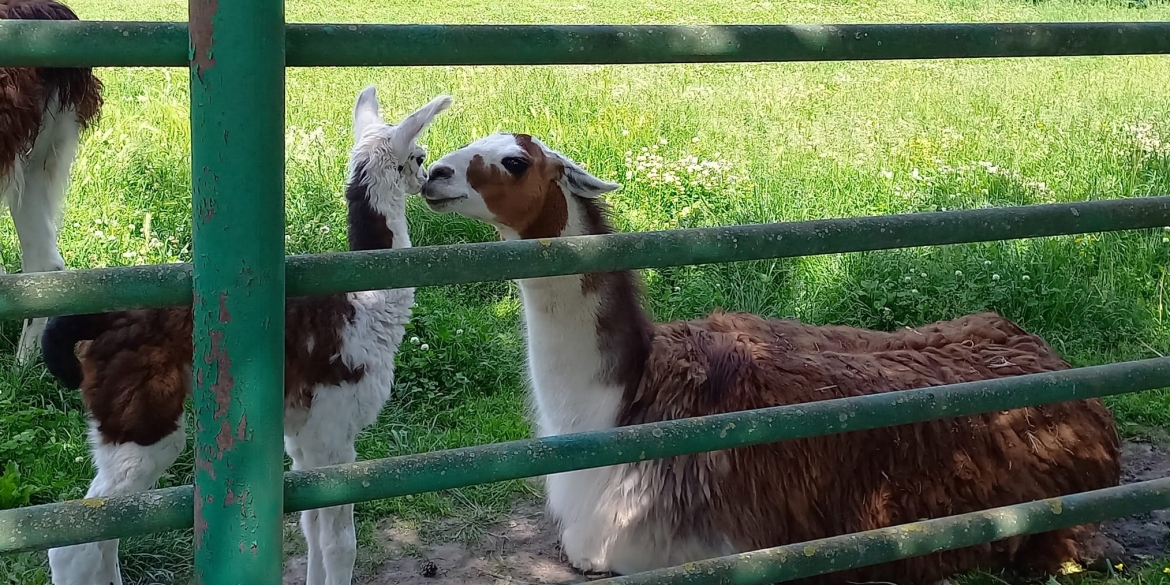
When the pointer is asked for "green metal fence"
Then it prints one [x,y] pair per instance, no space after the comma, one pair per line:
[238,51]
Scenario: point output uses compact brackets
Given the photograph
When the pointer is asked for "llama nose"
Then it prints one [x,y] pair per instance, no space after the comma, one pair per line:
[438,172]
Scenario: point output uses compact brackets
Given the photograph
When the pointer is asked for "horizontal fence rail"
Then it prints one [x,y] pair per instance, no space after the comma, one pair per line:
[60,524]
[165,44]
[44,294]
[863,549]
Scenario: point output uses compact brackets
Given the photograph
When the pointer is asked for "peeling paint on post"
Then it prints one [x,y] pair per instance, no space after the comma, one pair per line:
[237,163]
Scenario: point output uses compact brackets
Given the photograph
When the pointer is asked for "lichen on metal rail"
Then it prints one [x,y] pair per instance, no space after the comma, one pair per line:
[44,294]
[426,472]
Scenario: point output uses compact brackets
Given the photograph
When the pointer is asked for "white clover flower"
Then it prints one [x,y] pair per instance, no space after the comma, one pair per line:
[424,347]
[923,275]
[1026,277]
[987,262]
[914,290]
[959,273]
[906,279]
[994,277]
[458,332]
[414,340]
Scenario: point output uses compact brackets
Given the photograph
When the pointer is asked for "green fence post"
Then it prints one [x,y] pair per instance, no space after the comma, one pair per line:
[237,158]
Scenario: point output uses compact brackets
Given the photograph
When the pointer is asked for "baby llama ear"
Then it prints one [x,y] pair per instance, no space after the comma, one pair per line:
[365,111]
[413,125]
[581,183]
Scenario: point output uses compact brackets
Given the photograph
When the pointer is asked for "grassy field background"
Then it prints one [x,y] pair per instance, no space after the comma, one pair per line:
[694,145]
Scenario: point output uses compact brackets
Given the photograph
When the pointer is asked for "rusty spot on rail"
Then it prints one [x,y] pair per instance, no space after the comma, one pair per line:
[225,440]
[224,383]
[203,35]
[207,209]
[204,465]
[200,523]
[224,315]
[231,497]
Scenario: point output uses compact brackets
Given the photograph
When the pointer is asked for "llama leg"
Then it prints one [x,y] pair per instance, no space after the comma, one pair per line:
[327,438]
[37,211]
[309,521]
[329,532]
[11,187]
[122,469]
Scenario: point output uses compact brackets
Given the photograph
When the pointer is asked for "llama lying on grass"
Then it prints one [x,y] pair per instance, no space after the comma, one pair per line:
[133,367]
[597,362]
[42,114]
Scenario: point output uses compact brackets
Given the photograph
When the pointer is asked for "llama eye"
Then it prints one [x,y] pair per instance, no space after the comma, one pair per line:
[515,165]
[420,158]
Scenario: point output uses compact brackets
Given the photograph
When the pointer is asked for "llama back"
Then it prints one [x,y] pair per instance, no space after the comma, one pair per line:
[800,490]
[793,335]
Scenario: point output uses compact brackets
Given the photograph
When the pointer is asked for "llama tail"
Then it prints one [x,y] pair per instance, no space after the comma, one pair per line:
[59,343]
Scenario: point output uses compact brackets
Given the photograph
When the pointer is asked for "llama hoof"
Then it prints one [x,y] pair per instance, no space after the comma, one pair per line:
[588,568]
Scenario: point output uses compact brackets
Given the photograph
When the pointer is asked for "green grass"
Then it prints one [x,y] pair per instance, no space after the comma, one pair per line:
[747,143]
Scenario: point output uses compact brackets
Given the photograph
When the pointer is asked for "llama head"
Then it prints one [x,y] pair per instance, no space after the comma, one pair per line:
[392,149]
[517,184]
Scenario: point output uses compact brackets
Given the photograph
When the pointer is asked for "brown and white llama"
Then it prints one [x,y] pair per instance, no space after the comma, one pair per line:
[597,362]
[43,112]
[134,367]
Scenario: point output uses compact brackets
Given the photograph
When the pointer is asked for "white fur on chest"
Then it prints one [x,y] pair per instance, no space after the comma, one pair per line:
[605,514]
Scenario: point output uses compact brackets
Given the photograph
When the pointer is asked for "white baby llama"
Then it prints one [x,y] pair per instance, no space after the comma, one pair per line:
[43,112]
[133,367]
[597,362]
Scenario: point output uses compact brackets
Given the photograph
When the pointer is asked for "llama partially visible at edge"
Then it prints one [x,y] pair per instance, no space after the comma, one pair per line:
[596,362]
[43,112]
[134,367]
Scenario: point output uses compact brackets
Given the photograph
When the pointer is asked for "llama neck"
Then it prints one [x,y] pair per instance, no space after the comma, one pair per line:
[588,340]
[377,212]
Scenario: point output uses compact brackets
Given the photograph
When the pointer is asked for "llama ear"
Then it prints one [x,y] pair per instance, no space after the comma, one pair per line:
[365,111]
[581,183]
[413,125]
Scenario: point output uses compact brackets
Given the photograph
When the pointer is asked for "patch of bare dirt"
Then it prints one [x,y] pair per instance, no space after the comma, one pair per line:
[1144,536]
[522,549]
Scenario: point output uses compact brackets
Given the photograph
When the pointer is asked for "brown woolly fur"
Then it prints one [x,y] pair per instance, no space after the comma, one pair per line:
[25,92]
[137,371]
[876,478]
